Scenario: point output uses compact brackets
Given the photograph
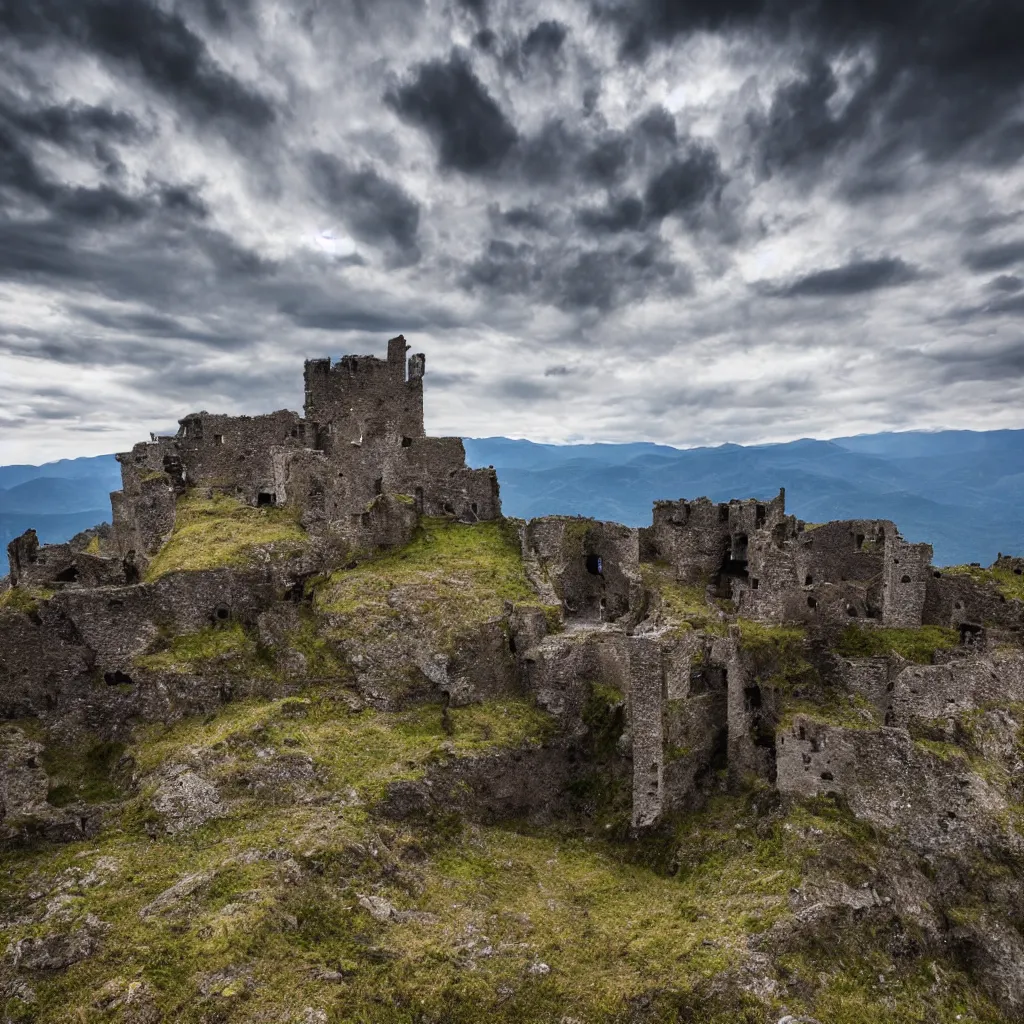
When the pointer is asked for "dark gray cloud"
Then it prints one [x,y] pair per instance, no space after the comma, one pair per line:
[576,279]
[944,92]
[523,218]
[1010,306]
[194,194]
[155,44]
[606,161]
[1007,283]
[995,257]
[486,40]
[374,209]
[851,279]
[524,389]
[475,7]
[985,361]
[445,97]
[546,157]
[75,124]
[800,128]
[539,50]
[624,214]
[544,41]
[154,325]
[222,15]
[689,181]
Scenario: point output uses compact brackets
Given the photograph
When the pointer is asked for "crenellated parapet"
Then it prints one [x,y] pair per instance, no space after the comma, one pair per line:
[360,398]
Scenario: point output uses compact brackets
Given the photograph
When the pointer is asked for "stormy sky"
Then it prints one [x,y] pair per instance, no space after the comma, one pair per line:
[724,220]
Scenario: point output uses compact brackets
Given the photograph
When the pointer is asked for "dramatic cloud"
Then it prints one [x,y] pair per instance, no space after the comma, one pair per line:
[693,222]
[684,184]
[851,279]
[145,40]
[445,98]
[996,257]
[373,208]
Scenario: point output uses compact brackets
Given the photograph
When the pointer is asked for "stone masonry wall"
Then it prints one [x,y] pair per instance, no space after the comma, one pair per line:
[906,575]
[360,397]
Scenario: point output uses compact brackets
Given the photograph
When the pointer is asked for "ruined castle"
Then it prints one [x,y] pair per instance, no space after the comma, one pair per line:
[697,695]
[361,438]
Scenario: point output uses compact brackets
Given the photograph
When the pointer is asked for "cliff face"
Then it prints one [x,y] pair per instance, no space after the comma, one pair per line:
[728,767]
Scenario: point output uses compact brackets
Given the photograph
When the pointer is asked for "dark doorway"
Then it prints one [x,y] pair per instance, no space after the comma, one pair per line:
[730,569]
[594,565]
[265,499]
[970,633]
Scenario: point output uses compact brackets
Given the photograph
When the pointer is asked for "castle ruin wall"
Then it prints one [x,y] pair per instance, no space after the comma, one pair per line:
[906,574]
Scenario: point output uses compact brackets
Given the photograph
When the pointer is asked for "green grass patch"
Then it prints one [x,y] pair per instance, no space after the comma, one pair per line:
[22,599]
[917,645]
[365,750]
[685,605]
[858,981]
[322,662]
[210,533]
[848,710]
[224,648]
[503,924]
[1007,582]
[452,576]
[778,654]
[948,752]
[761,637]
[525,926]
[977,739]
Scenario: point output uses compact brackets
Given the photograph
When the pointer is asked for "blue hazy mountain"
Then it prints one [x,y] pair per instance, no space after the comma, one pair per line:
[57,500]
[960,490]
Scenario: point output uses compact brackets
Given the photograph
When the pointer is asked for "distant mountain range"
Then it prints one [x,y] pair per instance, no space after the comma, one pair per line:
[57,500]
[960,490]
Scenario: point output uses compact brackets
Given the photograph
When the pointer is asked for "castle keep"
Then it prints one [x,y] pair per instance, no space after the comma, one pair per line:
[707,649]
[362,437]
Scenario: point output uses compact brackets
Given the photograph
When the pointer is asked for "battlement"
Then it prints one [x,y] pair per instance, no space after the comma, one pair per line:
[362,397]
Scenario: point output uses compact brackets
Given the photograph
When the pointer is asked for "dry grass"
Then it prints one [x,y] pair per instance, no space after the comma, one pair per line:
[210,533]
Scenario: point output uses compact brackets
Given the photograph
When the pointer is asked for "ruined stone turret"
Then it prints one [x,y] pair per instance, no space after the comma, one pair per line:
[361,437]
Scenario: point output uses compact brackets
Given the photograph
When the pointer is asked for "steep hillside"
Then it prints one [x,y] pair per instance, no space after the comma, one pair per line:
[403,793]
[312,733]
